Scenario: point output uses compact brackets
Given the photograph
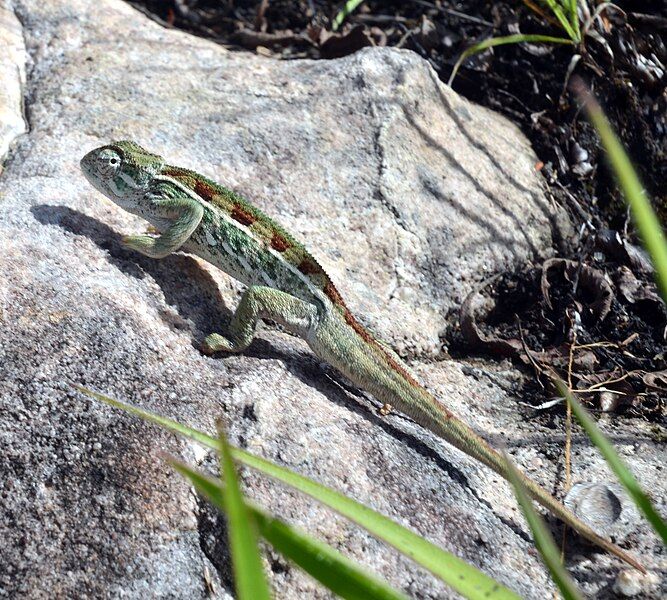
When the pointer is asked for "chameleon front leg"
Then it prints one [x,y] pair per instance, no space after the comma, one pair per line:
[186,213]
[261,302]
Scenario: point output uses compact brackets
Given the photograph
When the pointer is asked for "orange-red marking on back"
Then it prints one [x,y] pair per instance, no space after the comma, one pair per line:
[334,295]
[243,216]
[279,243]
[308,267]
[204,190]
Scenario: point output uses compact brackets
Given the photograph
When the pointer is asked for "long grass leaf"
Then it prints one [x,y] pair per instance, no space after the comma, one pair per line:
[516,38]
[249,579]
[459,575]
[615,463]
[543,540]
[322,562]
[574,19]
[647,222]
[348,8]
[563,19]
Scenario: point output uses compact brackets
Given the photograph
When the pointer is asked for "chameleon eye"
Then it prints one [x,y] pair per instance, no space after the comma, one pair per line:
[108,162]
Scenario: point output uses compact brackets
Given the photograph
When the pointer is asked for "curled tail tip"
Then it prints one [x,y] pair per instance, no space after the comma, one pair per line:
[631,560]
[612,548]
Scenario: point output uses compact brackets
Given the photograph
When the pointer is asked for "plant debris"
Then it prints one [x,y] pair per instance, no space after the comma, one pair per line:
[576,320]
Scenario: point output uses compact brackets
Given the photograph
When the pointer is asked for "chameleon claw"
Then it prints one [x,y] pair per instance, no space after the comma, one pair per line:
[216,343]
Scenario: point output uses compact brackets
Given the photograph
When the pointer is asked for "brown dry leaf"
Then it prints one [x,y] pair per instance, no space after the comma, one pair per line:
[426,35]
[335,45]
[474,305]
[591,379]
[589,279]
[612,389]
[611,243]
[657,380]
[252,39]
[559,357]
[261,23]
[635,290]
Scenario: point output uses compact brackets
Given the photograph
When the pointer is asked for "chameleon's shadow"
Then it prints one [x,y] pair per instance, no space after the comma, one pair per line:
[308,368]
[192,294]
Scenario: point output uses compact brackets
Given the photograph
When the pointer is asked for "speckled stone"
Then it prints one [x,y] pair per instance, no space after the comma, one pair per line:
[406,193]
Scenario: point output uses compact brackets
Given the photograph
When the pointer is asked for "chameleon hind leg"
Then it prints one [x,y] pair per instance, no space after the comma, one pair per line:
[260,302]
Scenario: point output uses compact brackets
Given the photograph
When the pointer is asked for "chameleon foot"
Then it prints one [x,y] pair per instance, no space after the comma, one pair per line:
[144,244]
[217,343]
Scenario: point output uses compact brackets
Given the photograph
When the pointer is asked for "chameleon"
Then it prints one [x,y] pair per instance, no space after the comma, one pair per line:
[285,284]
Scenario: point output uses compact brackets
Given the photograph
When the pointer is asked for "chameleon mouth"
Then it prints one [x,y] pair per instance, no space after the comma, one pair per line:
[91,173]
[87,164]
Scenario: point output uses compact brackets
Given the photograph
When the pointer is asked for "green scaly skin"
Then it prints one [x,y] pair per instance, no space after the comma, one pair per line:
[285,284]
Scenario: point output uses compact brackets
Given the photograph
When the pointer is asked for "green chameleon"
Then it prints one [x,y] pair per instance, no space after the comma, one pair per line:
[285,284]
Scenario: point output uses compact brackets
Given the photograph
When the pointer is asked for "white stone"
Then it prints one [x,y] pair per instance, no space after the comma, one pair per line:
[12,76]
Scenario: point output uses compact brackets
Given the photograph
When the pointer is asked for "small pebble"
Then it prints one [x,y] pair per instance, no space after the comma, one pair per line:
[579,154]
[630,582]
[597,504]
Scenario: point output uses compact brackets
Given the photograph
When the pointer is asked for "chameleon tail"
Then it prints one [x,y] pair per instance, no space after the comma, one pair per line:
[379,371]
[465,439]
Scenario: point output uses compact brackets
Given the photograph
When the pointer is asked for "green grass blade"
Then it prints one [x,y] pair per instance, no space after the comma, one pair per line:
[645,218]
[348,8]
[249,579]
[563,19]
[615,463]
[325,564]
[464,578]
[543,540]
[574,19]
[516,38]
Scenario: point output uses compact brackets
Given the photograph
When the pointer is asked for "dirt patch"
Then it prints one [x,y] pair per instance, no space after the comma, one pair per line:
[593,322]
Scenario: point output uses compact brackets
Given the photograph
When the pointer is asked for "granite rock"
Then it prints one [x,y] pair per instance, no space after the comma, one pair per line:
[408,194]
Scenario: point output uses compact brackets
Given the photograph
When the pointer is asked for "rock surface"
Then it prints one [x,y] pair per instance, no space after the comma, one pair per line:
[12,76]
[408,194]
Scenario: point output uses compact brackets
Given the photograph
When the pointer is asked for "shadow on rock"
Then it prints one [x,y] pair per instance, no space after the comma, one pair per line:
[557,233]
[338,390]
[188,289]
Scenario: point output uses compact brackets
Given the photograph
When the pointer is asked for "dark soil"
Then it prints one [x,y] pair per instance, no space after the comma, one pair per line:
[624,353]
[624,63]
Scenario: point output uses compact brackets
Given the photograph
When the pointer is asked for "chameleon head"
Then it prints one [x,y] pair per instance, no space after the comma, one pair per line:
[121,170]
